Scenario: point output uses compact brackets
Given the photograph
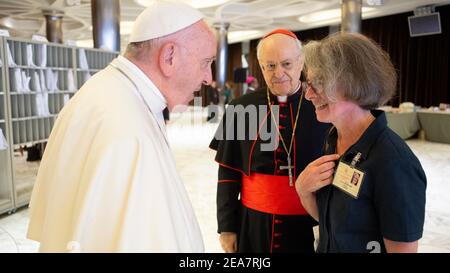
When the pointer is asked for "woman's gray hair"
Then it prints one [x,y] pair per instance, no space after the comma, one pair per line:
[353,64]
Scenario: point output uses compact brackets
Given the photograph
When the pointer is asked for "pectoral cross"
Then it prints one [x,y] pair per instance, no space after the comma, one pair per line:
[289,168]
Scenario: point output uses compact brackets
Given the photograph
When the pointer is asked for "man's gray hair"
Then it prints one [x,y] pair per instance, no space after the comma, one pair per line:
[139,50]
[258,47]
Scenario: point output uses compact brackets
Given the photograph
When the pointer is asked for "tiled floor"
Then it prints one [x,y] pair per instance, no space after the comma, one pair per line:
[190,135]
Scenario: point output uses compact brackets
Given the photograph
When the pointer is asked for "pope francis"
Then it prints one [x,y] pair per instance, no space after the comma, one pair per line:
[107,181]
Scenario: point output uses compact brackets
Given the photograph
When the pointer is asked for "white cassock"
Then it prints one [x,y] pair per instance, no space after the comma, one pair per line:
[108,180]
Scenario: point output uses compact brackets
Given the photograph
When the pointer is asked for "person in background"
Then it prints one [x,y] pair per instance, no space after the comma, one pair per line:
[228,92]
[108,181]
[252,83]
[348,77]
[212,95]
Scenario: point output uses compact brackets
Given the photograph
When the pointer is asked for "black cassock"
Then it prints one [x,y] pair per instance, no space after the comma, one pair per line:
[254,198]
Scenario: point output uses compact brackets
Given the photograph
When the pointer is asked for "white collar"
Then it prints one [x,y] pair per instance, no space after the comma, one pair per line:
[284,98]
[151,94]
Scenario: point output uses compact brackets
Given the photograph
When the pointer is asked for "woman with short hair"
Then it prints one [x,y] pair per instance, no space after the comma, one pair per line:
[348,77]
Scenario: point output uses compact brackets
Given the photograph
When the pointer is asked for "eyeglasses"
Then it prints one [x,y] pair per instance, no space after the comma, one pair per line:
[286,64]
[307,85]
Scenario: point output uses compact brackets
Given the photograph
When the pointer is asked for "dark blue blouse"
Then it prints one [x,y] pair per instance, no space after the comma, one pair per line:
[391,201]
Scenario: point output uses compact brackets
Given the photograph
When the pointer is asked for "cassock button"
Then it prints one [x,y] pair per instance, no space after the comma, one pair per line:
[277,234]
[279,150]
[276,246]
[278,221]
[282,127]
[283,116]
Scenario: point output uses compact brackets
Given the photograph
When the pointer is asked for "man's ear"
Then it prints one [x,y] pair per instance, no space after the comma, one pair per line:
[167,59]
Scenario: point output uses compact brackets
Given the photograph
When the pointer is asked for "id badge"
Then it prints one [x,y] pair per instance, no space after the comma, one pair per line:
[348,179]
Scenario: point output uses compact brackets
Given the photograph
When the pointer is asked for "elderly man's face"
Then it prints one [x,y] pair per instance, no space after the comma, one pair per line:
[281,64]
[197,55]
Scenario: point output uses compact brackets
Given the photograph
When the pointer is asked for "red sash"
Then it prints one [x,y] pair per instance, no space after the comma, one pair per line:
[271,194]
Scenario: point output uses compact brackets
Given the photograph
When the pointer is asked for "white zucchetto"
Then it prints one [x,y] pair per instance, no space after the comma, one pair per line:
[162,18]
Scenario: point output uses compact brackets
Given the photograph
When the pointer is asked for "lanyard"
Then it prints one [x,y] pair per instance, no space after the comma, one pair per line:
[143,100]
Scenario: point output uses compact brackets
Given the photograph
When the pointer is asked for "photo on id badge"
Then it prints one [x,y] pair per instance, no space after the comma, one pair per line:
[348,179]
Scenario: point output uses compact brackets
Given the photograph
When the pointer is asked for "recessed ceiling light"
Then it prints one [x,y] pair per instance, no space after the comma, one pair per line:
[325,15]
[20,23]
[198,4]
[375,2]
[7,22]
[242,35]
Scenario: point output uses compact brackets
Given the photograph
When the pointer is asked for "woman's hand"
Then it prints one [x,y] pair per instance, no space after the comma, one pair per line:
[316,175]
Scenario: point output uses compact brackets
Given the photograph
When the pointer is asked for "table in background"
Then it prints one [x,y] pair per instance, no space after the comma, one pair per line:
[436,125]
[405,124]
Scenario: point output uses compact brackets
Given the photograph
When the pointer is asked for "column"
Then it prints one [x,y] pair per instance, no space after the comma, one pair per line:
[53,20]
[351,15]
[106,24]
[222,54]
